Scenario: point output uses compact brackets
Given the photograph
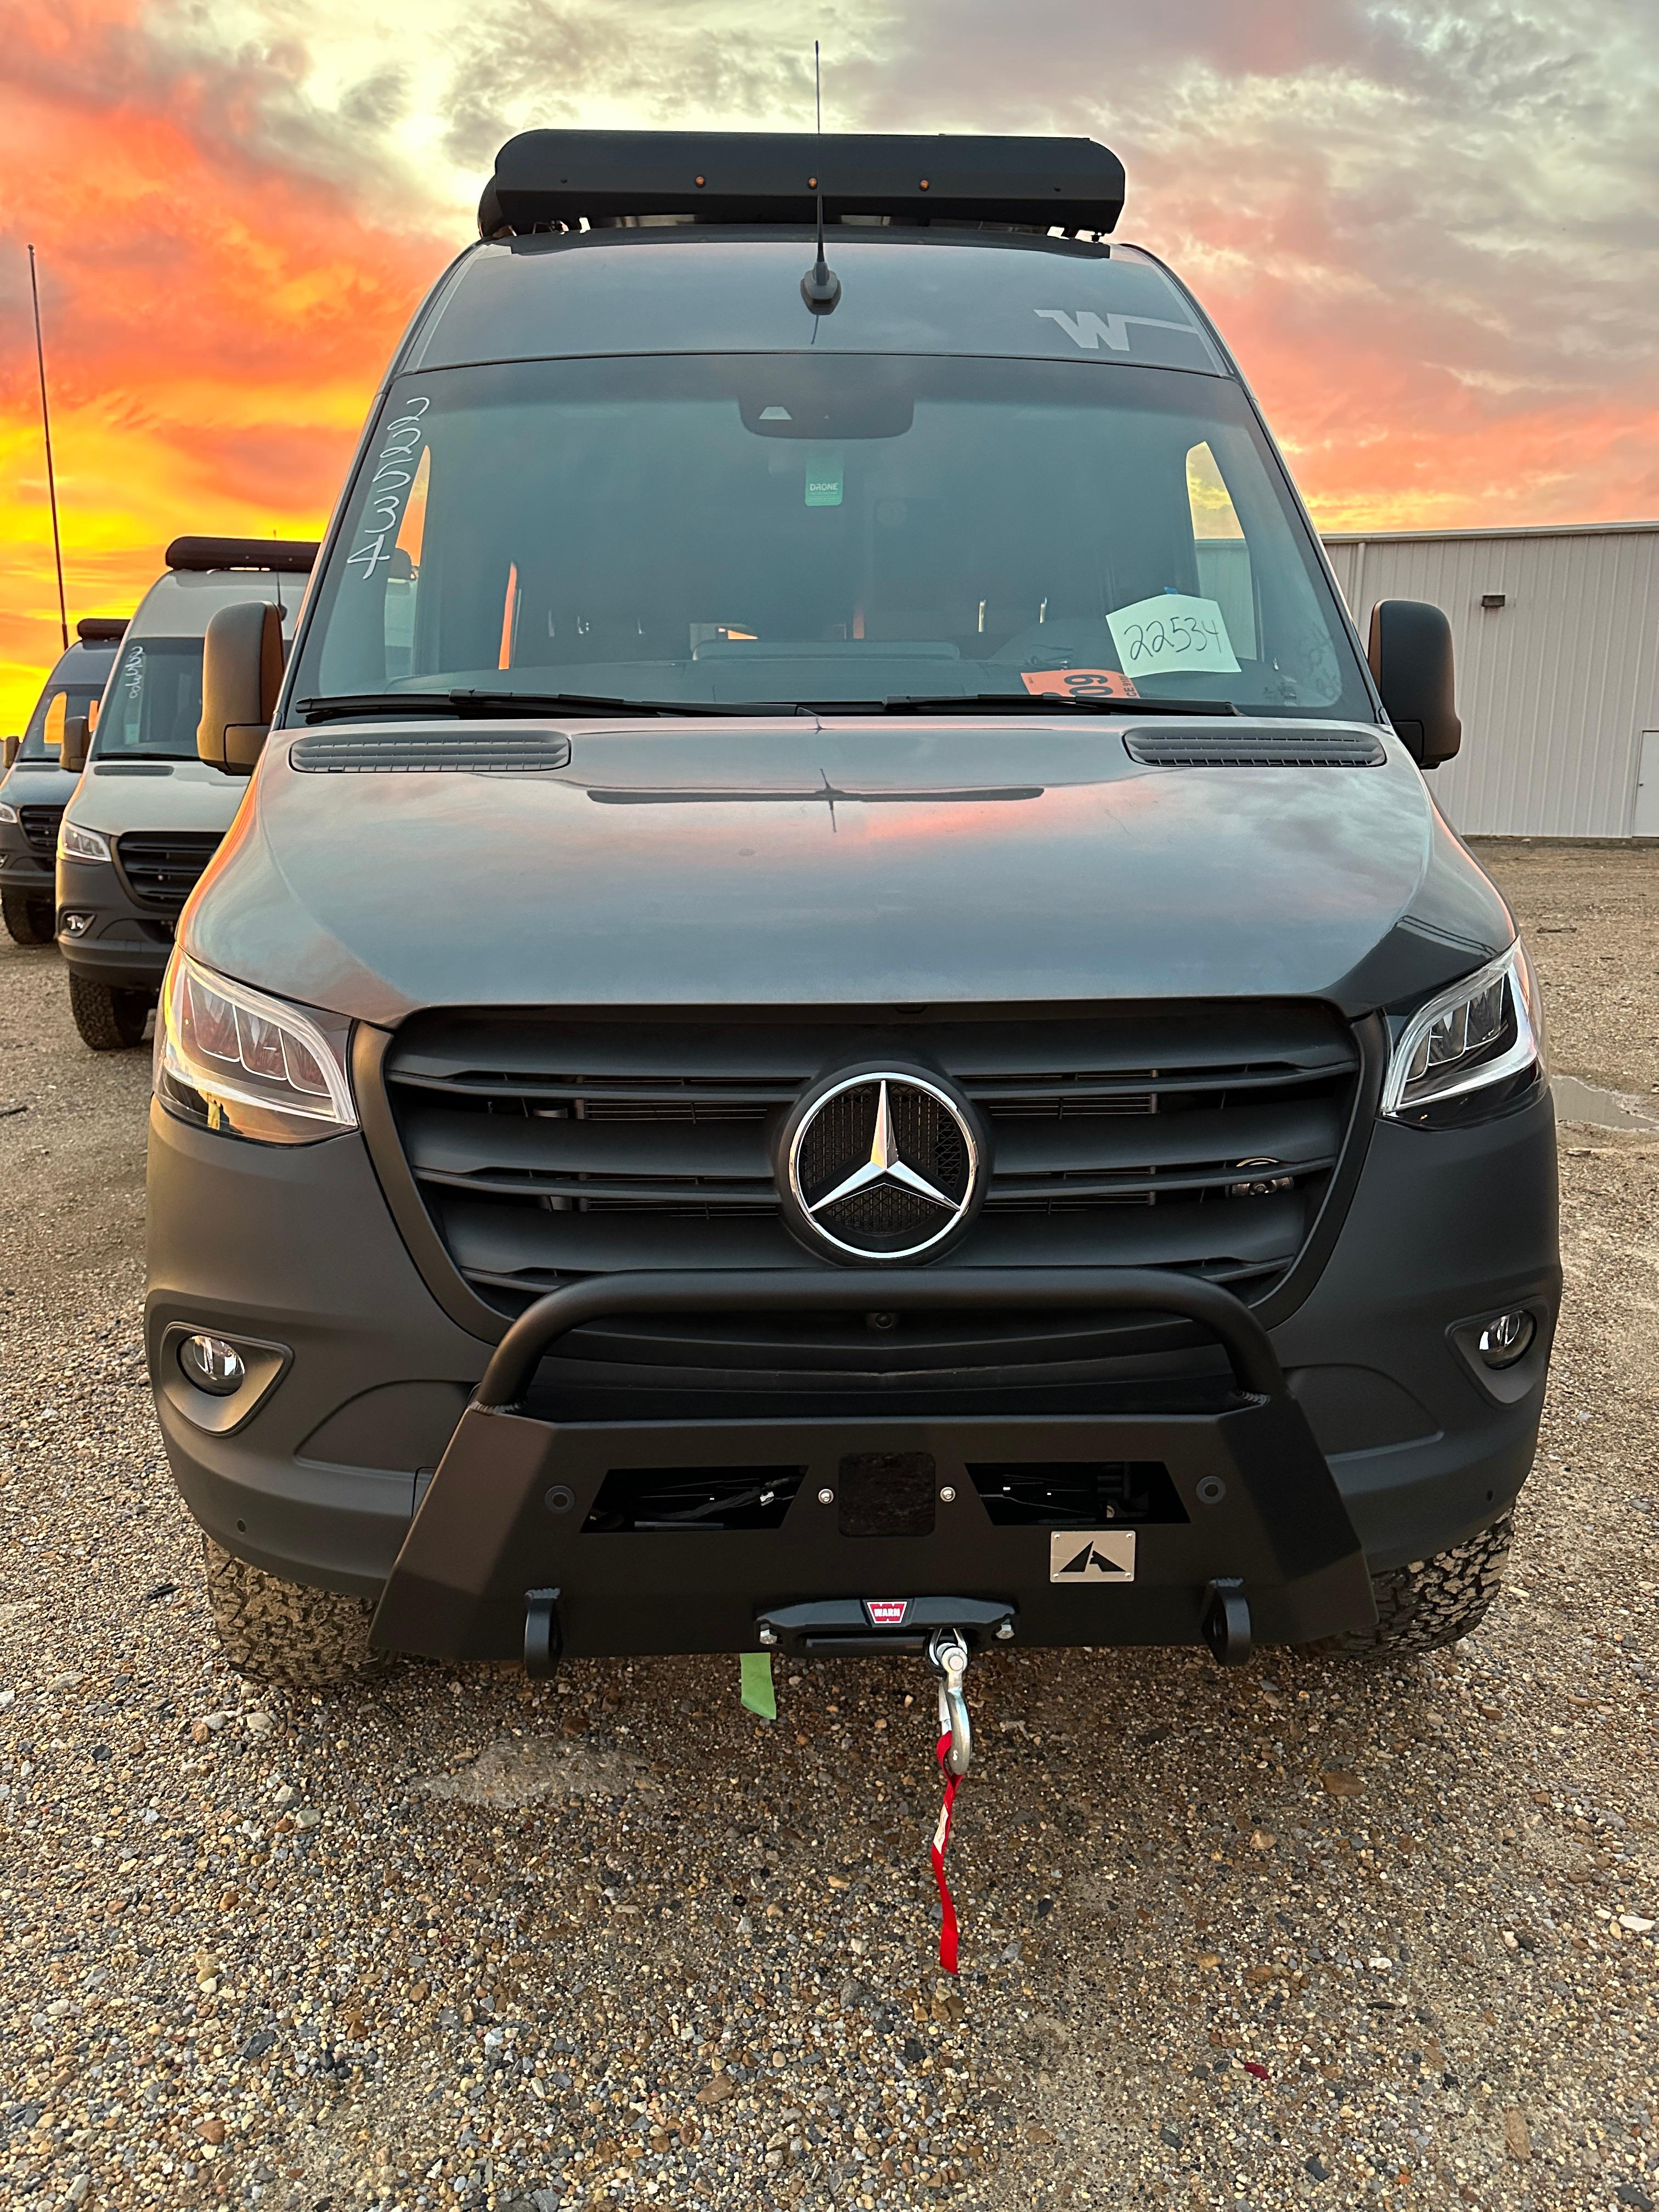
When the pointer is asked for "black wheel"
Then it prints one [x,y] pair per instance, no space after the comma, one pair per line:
[28,921]
[278,1632]
[1436,1601]
[108,1019]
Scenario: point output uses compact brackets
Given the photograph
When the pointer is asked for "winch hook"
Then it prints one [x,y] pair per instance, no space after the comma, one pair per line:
[947,1655]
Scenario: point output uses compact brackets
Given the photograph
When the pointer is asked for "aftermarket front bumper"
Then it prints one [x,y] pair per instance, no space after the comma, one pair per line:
[502,1552]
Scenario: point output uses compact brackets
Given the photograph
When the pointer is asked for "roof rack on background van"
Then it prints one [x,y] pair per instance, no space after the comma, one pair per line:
[102,629]
[292,556]
[546,179]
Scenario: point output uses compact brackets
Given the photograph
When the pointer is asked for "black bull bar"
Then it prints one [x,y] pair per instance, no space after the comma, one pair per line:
[498,1560]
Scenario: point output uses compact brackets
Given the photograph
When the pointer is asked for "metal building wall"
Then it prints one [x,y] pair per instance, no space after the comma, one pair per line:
[1555,687]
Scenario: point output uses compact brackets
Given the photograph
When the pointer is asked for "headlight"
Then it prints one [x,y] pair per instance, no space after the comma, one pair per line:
[230,1059]
[1485,1031]
[7,813]
[74,843]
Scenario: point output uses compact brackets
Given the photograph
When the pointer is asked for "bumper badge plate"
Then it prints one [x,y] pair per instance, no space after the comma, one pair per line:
[1091,1555]
[887,1611]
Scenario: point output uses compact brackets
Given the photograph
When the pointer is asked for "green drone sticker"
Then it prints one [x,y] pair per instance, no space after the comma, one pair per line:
[825,477]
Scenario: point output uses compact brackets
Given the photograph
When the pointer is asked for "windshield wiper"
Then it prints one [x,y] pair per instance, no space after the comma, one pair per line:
[1044,702]
[481,706]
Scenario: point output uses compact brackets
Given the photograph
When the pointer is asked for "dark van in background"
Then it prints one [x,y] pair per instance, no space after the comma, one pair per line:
[35,785]
[839,1017]
[148,814]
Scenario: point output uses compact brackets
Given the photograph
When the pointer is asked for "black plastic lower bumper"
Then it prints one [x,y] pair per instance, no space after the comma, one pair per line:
[21,872]
[508,1512]
[119,944]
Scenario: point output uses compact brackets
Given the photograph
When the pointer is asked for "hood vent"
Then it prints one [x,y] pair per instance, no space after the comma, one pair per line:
[1254,750]
[464,749]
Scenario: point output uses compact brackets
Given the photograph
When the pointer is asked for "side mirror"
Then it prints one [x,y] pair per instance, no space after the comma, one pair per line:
[1410,651]
[8,749]
[67,734]
[241,675]
[77,739]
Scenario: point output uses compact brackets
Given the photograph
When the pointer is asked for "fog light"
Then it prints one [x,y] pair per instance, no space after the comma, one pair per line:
[1502,1342]
[75,925]
[212,1365]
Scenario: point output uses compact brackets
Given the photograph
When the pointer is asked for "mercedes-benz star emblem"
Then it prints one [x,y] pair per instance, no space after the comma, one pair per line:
[883,1166]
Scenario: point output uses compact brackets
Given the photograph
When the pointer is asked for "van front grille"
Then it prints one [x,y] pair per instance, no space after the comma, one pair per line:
[40,826]
[1200,1137]
[163,867]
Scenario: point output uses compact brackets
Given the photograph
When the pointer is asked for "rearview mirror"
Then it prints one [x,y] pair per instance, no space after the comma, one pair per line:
[241,675]
[1410,651]
[9,747]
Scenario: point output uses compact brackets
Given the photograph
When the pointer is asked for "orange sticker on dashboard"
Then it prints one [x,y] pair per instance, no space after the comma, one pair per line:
[1080,682]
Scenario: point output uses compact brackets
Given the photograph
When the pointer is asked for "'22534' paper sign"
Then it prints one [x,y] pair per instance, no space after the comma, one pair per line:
[1172,635]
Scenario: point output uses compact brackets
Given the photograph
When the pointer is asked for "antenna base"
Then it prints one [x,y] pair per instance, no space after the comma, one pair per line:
[820,288]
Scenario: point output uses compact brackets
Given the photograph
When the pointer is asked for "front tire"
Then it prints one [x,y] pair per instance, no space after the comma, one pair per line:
[108,1019]
[28,921]
[1437,1600]
[285,1632]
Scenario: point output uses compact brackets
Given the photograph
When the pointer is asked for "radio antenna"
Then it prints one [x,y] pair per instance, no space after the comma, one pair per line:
[820,287]
[45,425]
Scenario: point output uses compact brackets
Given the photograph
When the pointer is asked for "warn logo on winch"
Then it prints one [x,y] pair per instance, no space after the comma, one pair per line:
[887,1611]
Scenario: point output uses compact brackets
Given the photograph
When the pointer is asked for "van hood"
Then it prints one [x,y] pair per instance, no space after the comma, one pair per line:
[857,861]
[114,795]
[38,783]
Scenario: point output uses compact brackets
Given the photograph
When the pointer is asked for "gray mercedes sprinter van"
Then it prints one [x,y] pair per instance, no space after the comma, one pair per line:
[147,812]
[839,1017]
[35,785]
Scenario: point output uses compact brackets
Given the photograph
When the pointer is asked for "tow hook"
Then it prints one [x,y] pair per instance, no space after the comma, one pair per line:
[947,1655]
[543,1635]
[1226,1623]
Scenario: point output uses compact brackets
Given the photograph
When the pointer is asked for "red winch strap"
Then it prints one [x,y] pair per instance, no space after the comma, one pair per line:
[941,1845]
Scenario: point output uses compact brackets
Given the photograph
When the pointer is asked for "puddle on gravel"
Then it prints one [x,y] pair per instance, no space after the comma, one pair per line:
[1602,1109]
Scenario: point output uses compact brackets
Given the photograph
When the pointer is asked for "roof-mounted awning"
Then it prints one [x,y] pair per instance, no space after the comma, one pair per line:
[548,179]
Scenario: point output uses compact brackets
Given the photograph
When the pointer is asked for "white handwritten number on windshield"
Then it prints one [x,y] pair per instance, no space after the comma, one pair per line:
[388,489]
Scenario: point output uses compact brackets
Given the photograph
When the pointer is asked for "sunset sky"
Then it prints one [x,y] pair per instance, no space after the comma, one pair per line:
[1430,232]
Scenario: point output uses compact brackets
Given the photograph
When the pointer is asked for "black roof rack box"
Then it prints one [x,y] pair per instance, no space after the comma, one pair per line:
[545,178]
[290,556]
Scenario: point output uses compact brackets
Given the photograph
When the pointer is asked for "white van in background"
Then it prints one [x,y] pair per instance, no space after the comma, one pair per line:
[35,787]
[147,813]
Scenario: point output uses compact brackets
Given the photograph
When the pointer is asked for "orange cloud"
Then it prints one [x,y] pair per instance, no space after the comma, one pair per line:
[216,314]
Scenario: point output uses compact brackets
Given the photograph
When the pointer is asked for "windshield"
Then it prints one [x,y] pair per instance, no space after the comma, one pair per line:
[155,702]
[82,697]
[821,530]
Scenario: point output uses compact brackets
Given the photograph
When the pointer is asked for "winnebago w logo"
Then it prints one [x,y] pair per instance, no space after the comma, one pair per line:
[1091,1555]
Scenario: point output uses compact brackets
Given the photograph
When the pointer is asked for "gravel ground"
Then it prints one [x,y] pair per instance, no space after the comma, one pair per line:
[1308,1934]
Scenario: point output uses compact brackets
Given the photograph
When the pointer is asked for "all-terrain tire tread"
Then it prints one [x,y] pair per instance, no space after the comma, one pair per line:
[1436,1601]
[106,1018]
[28,921]
[283,1632]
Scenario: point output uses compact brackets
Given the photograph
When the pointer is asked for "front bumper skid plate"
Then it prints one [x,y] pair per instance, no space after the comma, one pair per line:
[504,1513]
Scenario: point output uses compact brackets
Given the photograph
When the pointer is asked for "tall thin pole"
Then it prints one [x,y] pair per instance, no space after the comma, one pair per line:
[52,479]
[817,91]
